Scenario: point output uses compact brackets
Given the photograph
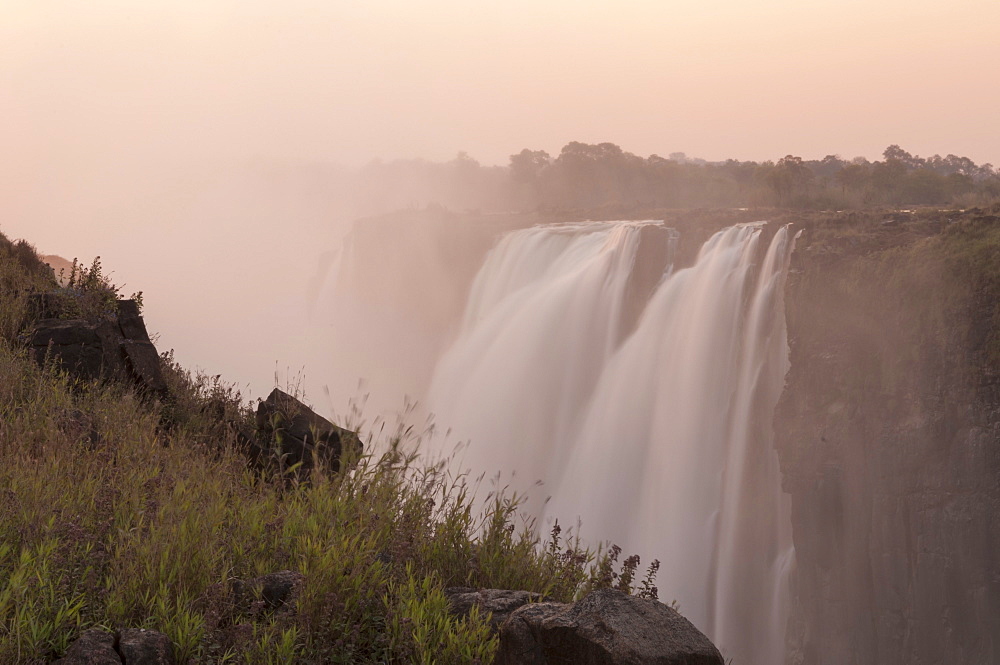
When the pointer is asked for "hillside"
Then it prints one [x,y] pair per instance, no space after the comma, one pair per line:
[126,506]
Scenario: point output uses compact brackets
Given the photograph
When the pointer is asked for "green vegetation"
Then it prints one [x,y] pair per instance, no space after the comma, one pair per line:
[119,510]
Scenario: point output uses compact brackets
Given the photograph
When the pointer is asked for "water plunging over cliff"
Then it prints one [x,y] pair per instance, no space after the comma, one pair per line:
[642,398]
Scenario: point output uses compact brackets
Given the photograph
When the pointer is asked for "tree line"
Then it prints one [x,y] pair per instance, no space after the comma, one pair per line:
[587,176]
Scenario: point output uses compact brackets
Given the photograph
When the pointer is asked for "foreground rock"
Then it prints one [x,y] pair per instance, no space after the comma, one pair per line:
[132,646]
[93,647]
[115,347]
[498,602]
[294,434]
[145,647]
[607,627]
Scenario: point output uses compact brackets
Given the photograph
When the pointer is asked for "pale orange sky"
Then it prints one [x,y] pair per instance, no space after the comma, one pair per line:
[196,79]
[142,131]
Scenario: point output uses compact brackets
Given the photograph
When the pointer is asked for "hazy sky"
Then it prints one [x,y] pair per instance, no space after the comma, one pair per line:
[349,81]
[127,128]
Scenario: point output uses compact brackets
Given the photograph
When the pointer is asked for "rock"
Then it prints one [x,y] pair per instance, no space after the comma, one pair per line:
[143,363]
[93,647]
[498,602]
[275,589]
[887,433]
[520,639]
[296,434]
[73,343]
[130,322]
[607,627]
[117,348]
[145,647]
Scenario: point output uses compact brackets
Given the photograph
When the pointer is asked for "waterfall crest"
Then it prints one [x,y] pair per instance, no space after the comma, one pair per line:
[651,426]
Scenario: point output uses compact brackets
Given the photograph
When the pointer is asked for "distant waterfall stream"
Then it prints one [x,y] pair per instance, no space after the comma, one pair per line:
[642,397]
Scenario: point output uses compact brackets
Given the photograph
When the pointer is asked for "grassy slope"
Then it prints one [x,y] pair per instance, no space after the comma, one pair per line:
[117,511]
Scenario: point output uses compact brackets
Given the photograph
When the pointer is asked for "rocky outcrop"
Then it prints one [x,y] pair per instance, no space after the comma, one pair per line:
[116,346]
[888,433]
[293,435]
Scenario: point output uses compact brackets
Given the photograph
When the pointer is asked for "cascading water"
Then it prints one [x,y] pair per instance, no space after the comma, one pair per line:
[544,315]
[657,438]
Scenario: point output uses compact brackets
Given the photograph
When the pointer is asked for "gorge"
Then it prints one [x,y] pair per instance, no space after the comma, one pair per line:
[821,494]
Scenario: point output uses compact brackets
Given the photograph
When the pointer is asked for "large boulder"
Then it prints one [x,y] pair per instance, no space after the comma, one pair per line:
[499,603]
[607,627]
[293,434]
[115,347]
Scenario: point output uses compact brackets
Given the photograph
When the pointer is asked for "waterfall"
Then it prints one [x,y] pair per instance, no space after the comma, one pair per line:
[642,398]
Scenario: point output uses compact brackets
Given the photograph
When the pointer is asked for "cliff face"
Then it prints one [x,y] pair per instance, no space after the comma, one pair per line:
[888,433]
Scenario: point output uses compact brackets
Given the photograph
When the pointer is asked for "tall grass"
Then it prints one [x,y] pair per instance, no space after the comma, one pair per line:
[118,510]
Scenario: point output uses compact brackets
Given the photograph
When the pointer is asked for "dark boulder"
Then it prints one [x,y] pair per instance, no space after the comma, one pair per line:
[107,348]
[607,627]
[93,647]
[291,433]
[498,602]
[138,646]
[521,639]
[72,343]
[143,365]
[130,322]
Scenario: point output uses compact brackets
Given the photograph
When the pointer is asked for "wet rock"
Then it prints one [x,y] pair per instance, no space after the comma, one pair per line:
[138,646]
[93,647]
[607,627]
[292,433]
[498,602]
[887,434]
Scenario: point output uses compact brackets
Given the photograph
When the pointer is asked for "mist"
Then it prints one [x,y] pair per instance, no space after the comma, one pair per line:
[210,154]
[544,227]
